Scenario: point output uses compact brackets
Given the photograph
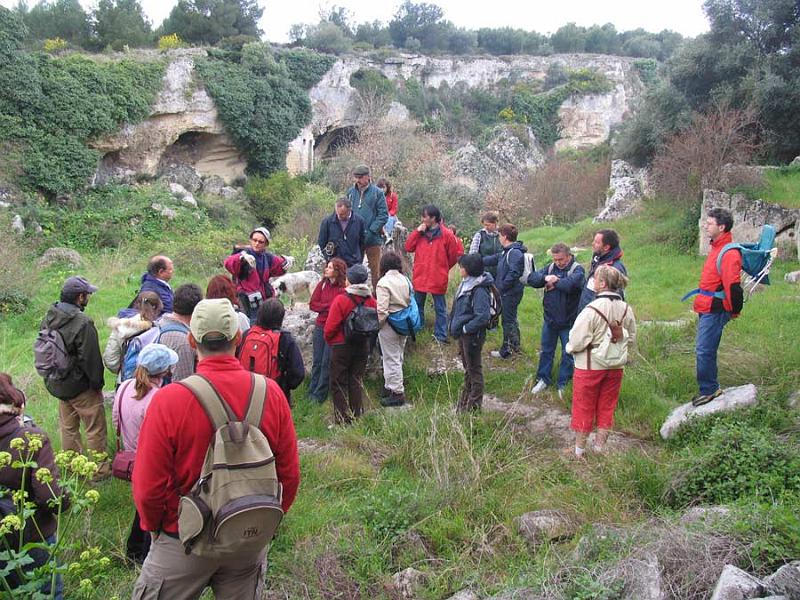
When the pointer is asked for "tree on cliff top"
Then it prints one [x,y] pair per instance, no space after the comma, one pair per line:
[208,21]
[121,22]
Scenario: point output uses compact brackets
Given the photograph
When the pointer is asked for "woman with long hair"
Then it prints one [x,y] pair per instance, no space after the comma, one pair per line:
[334,281]
[130,405]
[221,286]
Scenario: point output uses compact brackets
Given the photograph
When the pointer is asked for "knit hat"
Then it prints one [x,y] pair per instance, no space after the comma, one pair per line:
[215,317]
[357,274]
[156,358]
[361,170]
[263,231]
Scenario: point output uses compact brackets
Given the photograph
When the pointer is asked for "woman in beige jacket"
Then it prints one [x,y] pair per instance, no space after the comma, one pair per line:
[599,341]
[393,293]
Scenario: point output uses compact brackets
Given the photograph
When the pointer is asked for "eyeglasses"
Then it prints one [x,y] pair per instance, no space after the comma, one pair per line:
[257,241]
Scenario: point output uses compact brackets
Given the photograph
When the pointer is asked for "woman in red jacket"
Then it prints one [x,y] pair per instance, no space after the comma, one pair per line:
[348,359]
[391,204]
[333,283]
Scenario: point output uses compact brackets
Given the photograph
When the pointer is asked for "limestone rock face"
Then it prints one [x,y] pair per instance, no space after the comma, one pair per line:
[749,216]
[183,126]
[54,256]
[299,321]
[627,186]
[735,584]
[731,399]
[315,261]
[17,226]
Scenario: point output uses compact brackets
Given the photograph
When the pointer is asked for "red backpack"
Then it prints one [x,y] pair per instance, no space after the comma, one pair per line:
[259,352]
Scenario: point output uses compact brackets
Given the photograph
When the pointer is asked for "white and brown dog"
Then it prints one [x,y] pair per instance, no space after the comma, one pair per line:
[292,283]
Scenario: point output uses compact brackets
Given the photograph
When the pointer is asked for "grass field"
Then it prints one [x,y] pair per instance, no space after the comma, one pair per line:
[439,492]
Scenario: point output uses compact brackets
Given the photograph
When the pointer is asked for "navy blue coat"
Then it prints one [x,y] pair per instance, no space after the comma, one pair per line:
[613,258]
[162,288]
[471,311]
[560,303]
[510,265]
[349,243]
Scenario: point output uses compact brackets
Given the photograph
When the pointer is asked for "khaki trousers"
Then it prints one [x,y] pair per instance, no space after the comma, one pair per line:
[374,259]
[168,573]
[87,408]
[392,347]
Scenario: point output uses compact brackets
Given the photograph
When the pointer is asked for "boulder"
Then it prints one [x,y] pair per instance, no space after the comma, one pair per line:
[795,162]
[465,595]
[164,211]
[315,261]
[299,321]
[407,582]
[794,399]
[627,186]
[786,581]
[213,185]
[735,584]
[182,194]
[54,256]
[793,277]
[183,175]
[17,226]
[229,193]
[707,515]
[731,399]
[642,578]
[542,526]
[519,594]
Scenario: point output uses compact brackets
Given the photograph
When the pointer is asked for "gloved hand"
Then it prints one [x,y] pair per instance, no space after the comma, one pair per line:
[248,258]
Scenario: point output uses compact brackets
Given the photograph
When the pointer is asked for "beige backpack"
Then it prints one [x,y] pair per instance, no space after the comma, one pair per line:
[235,506]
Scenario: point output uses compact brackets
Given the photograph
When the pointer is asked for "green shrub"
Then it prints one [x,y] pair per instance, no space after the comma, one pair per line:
[773,532]
[737,461]
[372,81]
[270,198]
[387,511]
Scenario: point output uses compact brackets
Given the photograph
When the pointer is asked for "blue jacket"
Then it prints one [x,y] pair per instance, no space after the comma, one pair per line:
[560,303]
[370,206]
[470,313]
[162,288]
[613,258]
[349,243]
[510,265]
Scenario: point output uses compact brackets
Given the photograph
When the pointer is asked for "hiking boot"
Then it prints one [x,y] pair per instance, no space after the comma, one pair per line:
[441,341]
[385,393]
[539,387]
[394,399]
[702,399]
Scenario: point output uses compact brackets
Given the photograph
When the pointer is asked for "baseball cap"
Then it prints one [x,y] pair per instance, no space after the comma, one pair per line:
[156,358]
[78,285]
[216,317]
[361,170]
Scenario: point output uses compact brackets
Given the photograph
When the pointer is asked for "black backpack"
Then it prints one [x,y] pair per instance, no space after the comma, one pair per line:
[362,322]
[495,306]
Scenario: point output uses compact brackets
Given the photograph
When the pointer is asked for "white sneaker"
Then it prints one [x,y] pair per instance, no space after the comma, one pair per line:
[539,387]
[560,393]
[495,354]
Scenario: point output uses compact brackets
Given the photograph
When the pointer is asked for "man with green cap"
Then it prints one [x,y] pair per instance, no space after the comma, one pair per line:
[369,203]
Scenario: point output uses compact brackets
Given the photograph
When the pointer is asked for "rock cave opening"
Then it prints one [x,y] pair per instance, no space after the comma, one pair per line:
[326,145]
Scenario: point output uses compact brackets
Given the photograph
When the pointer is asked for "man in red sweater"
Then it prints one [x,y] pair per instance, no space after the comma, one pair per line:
[719,299]
[172,445]
[436,250]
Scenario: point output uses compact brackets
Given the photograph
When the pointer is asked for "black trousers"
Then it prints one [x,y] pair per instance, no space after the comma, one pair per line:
[138,541]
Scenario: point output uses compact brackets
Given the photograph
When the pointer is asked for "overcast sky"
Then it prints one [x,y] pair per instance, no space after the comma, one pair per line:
[545,16]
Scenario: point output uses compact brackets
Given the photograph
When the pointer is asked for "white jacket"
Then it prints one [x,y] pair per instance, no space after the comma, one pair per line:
[588,341]
[121,330]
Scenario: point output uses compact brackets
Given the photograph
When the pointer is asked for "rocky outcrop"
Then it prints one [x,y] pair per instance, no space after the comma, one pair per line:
[299,321]
[54,256]
[731,399]
[542,526]
[627,186]
[749,216]
[786,581]
[735,584]
[183,127]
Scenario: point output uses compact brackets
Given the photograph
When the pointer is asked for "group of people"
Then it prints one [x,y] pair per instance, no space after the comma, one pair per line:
[169,343]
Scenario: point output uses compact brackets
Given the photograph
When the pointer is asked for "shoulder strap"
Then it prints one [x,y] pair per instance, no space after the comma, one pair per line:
[122,391]
[354,300]
[574,266]
[602,315]
[207,395]
[258,400]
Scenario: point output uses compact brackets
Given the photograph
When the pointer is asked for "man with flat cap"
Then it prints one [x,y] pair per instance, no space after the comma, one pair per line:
[79,387]
[369,203]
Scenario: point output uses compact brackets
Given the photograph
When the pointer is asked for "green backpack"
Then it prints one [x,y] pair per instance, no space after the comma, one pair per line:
[235,506]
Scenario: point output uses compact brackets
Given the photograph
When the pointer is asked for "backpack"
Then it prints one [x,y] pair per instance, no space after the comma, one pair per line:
[574,266]
[260,352]
[362,322]
[495,307]
[529,265]
[51,359]
[407,321]
[614,346]
[756,258]
[132,347]
[234,508]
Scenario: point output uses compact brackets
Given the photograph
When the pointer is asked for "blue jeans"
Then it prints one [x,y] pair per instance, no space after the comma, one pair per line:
[709,334]
[550,337]
[511,339]
[440,306]
[318,386]
[389,227]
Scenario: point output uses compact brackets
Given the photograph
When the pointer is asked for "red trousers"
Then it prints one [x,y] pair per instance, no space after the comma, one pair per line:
[594,398]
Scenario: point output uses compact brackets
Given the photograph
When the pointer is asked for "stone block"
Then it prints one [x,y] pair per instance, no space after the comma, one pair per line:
[735,584]
[731,399]
[542,526]
[786,581]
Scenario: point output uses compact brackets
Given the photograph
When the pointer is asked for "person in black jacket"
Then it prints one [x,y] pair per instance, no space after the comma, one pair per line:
[290,360]
[343,234]
[562,281]
[81,391]
[468,321]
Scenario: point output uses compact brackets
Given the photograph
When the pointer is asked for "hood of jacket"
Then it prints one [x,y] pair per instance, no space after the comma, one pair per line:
[470,283]
[61,313]
[359,289]
[128,327]
[515,245]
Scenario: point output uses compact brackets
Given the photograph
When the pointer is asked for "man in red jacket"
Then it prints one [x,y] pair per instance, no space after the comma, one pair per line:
[719,299]
[172,445]
[436,250]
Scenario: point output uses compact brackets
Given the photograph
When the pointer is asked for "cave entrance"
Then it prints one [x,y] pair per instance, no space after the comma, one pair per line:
[329,143]
[208,153]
